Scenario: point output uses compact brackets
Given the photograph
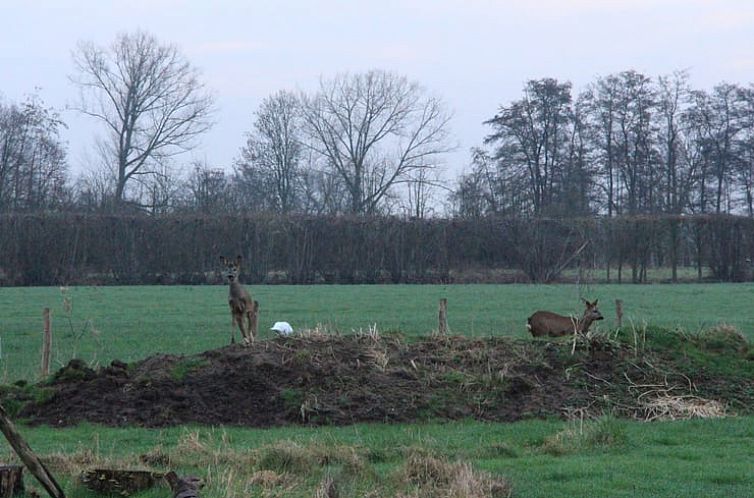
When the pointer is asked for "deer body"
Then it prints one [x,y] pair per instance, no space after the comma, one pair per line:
[241,305]
[547,323]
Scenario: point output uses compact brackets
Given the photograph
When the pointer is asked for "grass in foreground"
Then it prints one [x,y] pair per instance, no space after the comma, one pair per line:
[606,457]
[99,324]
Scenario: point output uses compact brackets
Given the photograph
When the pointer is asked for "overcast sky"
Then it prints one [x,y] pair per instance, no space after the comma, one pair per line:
[475,54]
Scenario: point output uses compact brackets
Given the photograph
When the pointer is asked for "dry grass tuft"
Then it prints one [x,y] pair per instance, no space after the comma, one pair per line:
[379,357]
[267,479]
[438,478]
[351,459]
[327,488]
[157,457]
[320,332]
[372,333]
[681,407]
[191,442]
[286,457]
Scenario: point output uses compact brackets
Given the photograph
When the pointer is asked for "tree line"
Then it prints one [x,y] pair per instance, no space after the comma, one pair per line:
[628,144]
[374,143]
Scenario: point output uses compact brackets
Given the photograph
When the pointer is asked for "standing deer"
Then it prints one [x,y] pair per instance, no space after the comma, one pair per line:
[241,305]
[548,323]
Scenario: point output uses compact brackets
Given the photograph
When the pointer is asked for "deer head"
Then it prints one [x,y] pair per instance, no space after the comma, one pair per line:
[591,313]
[231,268]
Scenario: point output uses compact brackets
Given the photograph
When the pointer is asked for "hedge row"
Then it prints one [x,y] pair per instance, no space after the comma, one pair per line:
[52,249]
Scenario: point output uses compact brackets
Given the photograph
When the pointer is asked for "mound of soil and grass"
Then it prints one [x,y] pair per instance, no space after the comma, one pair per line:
[331,379]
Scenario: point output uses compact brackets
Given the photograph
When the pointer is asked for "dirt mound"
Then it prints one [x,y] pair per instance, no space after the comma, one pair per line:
[326,379]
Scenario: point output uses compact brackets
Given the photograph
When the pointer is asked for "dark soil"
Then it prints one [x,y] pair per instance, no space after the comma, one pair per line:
[323,379]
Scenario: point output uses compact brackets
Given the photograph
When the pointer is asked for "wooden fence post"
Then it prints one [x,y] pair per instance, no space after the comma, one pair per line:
[619,311]
[442,327]
[46,343]
[11,480]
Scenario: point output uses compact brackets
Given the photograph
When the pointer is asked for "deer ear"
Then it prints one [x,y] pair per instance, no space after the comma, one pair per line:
[222,259]
[585,301]
[595,302]
[238,259]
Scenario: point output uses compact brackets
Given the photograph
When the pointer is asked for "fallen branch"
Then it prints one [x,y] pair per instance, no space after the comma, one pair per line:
[27,456]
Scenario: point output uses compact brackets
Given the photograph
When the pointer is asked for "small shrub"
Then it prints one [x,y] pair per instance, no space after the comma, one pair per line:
[292,400]
[267,479]
[435,476]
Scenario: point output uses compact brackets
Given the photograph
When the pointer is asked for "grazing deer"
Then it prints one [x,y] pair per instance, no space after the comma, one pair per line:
[241,305]
[547,323]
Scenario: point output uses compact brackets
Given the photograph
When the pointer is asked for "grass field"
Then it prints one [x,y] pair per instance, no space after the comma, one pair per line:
[691,458]
[550,458]
[130,323]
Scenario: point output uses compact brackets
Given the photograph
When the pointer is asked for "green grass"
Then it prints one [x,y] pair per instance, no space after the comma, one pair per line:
[610,457]
[130,323]
[691,458]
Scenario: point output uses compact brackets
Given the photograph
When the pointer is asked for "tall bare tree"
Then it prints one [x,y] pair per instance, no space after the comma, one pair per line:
[274,150]
[421,189]
[720,114]
[746,151]
[375,130]
[530,135]
[149,98]
[601,102]
[208,191]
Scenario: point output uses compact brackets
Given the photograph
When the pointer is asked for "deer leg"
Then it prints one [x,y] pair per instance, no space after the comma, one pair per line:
[242,327]
[232,328]
[250,318]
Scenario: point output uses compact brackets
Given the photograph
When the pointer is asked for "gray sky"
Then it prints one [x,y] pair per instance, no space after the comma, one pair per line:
[475,54]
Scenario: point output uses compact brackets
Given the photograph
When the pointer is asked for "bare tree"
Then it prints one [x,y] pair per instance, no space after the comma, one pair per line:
[375,129]
[601,103]
[32,157]
[94,190]
[274,150]
[209,191]
[746,151]
[530,136]
[149,98]
[636,152]
[421,189]
[719,113]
